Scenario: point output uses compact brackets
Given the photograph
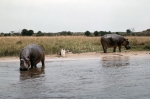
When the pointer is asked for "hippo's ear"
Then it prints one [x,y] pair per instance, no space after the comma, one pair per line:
[124,42]
[28,58]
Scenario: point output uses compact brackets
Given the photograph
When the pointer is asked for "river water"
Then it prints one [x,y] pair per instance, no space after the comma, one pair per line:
[107,77]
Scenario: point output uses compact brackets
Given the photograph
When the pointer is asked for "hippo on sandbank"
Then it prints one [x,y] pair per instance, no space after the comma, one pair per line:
[114,40]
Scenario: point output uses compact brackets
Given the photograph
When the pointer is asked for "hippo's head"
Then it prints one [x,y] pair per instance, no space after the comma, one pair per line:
[24,63]
[126,44]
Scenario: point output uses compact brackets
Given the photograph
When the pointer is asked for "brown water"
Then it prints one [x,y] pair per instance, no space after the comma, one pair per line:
[109,77]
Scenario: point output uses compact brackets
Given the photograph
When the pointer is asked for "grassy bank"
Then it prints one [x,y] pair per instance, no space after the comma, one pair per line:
[11,46]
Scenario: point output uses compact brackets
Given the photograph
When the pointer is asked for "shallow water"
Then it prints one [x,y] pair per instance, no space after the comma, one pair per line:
[109,77]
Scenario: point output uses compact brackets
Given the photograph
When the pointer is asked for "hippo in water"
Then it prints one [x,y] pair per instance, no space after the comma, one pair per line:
[32,54]
[114,40]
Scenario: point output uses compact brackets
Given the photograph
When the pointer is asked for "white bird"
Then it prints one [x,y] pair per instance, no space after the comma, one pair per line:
[62,52]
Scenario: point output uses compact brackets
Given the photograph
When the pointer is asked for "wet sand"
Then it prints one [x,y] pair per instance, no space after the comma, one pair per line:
[88,55]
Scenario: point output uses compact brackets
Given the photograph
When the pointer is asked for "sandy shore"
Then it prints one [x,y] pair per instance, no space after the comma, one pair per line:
[70,56]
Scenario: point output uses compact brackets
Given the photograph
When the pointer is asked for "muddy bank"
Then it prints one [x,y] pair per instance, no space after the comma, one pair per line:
[70,56]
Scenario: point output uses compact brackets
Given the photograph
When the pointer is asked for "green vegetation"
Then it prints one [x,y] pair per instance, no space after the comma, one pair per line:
[139,43]
[25,32]
[77,42]
[128,31]
[11,46]
[87,33]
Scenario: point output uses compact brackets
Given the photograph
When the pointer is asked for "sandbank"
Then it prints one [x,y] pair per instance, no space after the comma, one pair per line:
[88,55]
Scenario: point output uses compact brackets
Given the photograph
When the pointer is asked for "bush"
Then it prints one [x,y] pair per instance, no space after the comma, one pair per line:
[87,33]
[96,33]
[25,32]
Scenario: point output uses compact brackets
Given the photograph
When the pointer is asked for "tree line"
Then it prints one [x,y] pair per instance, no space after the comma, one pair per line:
[26,32]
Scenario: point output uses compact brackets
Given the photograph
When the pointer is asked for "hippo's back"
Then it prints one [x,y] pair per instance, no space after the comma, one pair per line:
[35,47]
[36,51]
[112,36]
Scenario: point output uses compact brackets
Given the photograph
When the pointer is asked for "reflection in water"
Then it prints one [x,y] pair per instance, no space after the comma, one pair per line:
[115,61]
[32,73]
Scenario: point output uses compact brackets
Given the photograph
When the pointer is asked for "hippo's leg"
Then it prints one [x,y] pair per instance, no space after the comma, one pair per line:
[114,49]
[43,63]
[104,49]
[119,48]
[33,64]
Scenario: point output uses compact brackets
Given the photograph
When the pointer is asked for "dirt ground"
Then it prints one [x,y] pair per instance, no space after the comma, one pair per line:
[82,55]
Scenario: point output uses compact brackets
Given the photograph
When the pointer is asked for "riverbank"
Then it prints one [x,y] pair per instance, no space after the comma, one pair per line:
[89,55]
[11,46]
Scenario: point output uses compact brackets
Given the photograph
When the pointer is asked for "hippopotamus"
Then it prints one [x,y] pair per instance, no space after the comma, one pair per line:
[32,54]
[114,40]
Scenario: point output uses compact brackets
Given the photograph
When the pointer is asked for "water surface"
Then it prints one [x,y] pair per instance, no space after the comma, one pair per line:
[107,77]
